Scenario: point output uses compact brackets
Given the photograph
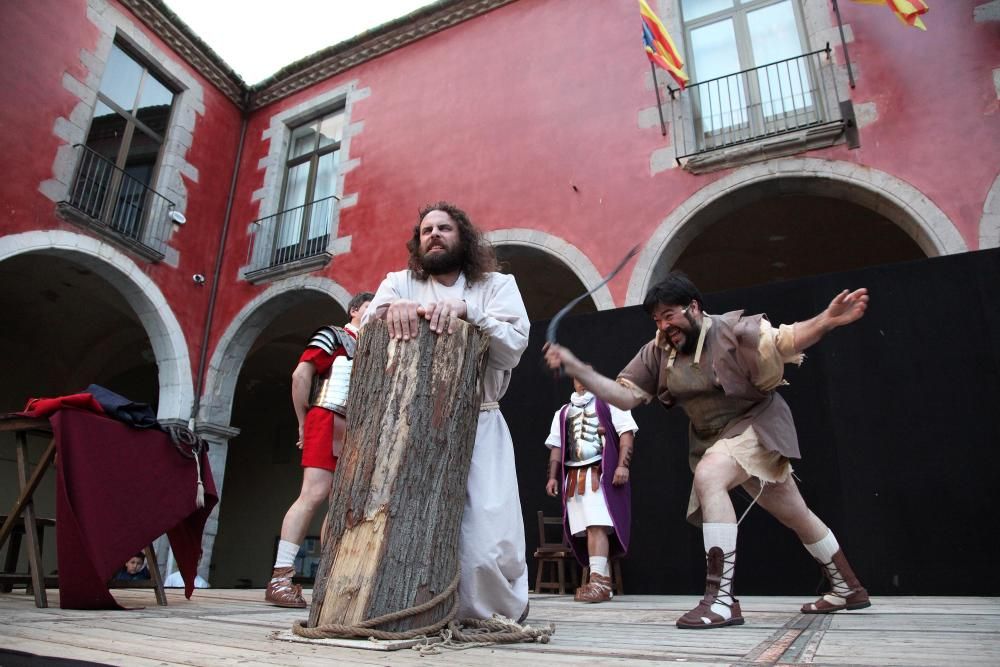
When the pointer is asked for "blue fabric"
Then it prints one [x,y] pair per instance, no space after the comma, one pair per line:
[139,415]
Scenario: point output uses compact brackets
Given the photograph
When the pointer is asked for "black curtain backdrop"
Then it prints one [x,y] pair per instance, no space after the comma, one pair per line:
[898,423]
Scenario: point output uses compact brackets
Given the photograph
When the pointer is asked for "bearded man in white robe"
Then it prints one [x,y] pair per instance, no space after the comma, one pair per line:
[452,276]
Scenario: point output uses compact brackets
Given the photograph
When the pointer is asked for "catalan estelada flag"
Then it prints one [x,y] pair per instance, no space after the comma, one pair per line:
[907,11]
[660,48]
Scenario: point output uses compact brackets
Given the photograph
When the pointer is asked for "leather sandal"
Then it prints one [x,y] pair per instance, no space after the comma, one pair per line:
[841,577]
[598,590]
[282,592]
[702,616]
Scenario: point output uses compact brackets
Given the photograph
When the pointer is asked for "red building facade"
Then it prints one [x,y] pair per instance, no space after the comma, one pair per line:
[174,234]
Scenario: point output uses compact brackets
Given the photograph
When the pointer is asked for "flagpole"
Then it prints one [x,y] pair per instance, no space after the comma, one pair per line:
[843,44]
[659,104]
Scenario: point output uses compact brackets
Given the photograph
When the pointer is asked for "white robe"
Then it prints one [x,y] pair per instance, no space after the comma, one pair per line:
[494,574]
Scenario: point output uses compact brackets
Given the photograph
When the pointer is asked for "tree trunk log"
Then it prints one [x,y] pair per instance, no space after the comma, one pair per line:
[400,484]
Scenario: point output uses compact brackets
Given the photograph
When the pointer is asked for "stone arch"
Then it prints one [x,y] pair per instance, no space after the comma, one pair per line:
[234,344]
[176,392]
[989,224]
[884,193]
[565,252]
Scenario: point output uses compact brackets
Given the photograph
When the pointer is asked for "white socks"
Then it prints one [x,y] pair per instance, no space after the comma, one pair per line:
[287,551]
[722,535]
[599,565]
[824,551]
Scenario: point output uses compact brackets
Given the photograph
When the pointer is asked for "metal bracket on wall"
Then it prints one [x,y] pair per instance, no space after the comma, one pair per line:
[850,124]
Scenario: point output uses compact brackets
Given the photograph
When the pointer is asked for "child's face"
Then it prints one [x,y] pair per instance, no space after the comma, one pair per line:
[133,564]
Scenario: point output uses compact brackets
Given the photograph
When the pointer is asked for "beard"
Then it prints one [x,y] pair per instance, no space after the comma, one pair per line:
[441,262]
[691,335]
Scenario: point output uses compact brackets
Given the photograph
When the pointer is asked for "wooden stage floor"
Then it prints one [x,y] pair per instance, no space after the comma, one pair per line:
[230,627]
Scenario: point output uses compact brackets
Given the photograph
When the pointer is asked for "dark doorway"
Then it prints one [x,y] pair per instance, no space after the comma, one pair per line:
[263,471]
[788,229]
[65,327]
[546,283]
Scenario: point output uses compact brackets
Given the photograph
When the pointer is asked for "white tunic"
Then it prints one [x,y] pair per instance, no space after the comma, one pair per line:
[494,577]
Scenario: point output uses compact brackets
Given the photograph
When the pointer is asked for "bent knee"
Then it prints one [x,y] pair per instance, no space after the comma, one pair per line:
[717,472]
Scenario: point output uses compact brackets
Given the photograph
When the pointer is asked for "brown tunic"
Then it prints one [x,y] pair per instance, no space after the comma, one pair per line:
[721,394]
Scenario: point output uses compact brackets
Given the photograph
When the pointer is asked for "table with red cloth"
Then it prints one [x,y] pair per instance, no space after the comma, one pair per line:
[118,488]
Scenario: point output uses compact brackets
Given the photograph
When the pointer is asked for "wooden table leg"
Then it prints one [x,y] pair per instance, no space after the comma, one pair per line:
[30,527]
[154,574]
[10,562]
[27,491]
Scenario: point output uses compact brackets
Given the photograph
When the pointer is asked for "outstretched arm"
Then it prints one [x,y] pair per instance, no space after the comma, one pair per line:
[845,308]
[557,356]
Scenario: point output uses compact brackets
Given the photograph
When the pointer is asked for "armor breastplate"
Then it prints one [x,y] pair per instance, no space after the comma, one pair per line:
[330,392]
[585,444]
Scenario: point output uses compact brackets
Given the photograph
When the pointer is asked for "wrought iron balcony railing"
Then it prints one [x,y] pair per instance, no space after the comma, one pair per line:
[778,98]
[112,201]
[292,236]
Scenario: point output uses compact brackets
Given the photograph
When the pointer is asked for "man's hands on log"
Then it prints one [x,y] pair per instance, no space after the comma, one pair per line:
[403,317]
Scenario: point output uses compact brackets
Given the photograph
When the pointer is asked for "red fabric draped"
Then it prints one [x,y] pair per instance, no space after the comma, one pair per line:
[117,489]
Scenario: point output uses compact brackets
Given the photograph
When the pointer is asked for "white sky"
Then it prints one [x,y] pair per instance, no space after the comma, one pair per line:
[259,37]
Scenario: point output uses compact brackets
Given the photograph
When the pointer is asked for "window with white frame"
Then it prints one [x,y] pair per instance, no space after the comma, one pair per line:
[308,200]
[745,56]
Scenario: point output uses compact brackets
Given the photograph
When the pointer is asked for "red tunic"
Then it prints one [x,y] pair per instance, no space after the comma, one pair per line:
[317,431]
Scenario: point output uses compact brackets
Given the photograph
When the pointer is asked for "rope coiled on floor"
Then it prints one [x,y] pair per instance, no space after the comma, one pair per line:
[465,633]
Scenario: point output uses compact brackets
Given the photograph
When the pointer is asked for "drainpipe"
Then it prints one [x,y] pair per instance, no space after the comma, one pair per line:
[210,311]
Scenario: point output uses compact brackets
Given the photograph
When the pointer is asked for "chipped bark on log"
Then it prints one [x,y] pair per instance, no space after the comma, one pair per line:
[400,484]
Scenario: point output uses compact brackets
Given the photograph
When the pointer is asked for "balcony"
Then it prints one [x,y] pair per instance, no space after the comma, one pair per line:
[776,109]
[291,241]
[117,205]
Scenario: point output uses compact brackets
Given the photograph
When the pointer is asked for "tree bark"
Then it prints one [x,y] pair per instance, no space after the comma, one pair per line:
[400,484]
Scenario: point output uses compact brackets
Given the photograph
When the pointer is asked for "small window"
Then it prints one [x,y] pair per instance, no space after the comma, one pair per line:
[309,198]
[120,155]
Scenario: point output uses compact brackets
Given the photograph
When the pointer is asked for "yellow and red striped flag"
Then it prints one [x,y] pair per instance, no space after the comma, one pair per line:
[660,48]
[907,11]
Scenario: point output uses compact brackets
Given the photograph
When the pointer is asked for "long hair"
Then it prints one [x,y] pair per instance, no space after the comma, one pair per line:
[478,256]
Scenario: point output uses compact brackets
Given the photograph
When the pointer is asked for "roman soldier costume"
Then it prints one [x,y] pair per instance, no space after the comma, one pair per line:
[587,430]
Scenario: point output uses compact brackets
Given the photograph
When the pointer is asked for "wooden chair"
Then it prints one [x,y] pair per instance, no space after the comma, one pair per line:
[552,556]
[615,570]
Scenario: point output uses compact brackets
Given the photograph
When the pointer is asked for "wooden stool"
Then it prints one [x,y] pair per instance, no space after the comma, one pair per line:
[615,570]
[552,556]
[10,574]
